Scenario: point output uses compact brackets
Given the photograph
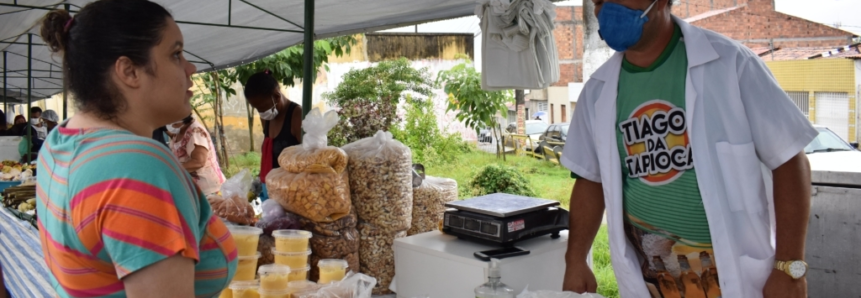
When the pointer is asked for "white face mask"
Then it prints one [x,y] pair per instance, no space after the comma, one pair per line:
[270,113]
[34,121]
[173,130]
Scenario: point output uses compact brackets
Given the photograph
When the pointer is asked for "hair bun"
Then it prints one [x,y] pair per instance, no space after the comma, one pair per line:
[54,31]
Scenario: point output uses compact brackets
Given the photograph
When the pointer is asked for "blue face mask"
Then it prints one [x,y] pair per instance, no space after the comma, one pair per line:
[621,27]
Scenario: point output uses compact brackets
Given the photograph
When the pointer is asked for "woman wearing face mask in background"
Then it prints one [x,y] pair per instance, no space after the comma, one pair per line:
[191,144]
[282,120]
[50,119]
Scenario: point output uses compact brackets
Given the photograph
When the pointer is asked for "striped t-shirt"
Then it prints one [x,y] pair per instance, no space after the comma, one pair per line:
[111,203]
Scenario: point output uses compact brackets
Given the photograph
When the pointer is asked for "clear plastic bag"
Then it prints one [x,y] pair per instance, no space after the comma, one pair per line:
[232,204]
[429,203]
[312,180]
[354,285]
[381,181]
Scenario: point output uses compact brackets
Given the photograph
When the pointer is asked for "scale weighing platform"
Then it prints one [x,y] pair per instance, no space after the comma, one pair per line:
[504,219]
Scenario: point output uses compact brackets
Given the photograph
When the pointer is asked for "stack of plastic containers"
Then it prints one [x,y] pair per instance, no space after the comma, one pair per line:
[291,249]
[244,283]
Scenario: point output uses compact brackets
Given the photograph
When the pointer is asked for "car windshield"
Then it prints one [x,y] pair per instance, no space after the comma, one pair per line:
[536,128]
[564,130]
[827,141]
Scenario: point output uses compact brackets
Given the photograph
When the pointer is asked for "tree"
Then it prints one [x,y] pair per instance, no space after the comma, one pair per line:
[368,98]
[477,108]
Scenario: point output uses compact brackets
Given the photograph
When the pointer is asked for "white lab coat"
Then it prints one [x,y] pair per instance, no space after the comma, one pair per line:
[739,120]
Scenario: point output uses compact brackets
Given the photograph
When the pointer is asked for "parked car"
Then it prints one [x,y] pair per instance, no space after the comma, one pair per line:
[828,152]
[556,133]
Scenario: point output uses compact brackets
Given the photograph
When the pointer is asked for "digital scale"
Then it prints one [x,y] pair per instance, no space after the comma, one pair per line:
[503,219]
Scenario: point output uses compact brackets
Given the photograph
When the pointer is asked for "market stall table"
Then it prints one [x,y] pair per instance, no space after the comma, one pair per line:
[437,265]
[24,271]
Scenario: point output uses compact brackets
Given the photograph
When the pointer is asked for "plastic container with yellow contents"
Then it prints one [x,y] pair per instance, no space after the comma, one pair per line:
[299,273]
[291,259]
[332,270]
[274,277]
[246,269]
[291,240]
[244,289]
[275,294]
[299,287]
[226,293]
[246,239]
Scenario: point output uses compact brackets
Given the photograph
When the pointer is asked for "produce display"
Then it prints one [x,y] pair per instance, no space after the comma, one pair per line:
[381,181]
[12,170]
[21,198]
[377,256]
[312,181]
[429,203]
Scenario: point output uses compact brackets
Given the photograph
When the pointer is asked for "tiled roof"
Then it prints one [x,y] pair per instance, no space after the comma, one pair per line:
[712,13]
[804,53]
[760,50]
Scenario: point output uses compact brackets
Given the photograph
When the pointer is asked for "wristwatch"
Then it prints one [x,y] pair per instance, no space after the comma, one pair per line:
[795,268]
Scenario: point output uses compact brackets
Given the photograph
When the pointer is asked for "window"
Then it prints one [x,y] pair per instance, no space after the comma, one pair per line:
[564,114]
[801,100]
[540,106]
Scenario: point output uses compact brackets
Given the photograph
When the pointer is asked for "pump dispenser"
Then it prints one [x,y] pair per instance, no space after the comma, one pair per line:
[494,288]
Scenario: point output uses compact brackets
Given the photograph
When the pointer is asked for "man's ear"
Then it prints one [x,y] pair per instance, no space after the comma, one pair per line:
[127,73]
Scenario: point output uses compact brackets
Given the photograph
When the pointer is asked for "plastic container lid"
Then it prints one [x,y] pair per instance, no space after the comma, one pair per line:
[255,256]
[292,254]
[299,285]
[276,293]
[243,230]
[307,268]
[242,285]
[299,234]
[329,263]
[273,268]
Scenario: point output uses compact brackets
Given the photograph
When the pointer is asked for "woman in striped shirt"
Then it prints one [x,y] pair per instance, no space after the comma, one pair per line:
[118,215]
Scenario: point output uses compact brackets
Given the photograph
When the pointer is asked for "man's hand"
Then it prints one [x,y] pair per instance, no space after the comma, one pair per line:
[579,279]
[781,285]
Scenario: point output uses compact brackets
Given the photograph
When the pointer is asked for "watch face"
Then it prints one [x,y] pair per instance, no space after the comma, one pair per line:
[797,269]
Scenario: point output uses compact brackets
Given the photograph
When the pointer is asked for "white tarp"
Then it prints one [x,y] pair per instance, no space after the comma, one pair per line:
[220,46]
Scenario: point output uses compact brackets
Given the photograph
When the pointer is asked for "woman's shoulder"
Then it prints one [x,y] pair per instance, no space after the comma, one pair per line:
[117,149]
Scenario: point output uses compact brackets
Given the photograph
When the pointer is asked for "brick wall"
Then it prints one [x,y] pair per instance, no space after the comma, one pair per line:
[757,23]
[689,8]
[569,43]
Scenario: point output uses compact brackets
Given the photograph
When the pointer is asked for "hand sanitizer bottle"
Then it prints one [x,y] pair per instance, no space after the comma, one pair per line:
[494,288]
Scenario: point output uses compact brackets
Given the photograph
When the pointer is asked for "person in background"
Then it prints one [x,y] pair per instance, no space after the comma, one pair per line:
[160,136]
[689,143]
[191,144]
[18,126]
[5,127]
[36,123]
[19,120]
[282,121]
[130,222]
[50,119]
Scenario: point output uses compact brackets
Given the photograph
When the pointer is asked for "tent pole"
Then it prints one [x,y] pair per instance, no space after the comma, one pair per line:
[29,92]
[5,99]
[65,85]
[308,75]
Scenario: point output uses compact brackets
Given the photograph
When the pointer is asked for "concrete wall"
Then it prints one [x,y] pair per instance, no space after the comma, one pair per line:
[833,236]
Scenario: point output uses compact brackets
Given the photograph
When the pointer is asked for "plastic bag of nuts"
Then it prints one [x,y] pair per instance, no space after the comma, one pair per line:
[381,181]
[312,181]
[331,229]
[267,242]
[377,255]
[429,203]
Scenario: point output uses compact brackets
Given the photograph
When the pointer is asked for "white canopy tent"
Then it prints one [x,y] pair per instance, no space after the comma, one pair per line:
[218,33]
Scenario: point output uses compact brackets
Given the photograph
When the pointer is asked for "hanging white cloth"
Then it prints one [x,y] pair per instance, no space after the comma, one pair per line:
[518,46]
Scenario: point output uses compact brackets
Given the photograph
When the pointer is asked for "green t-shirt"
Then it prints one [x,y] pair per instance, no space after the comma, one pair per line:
[663,208]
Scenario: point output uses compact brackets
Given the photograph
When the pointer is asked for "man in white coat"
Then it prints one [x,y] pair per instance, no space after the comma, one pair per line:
[686,140]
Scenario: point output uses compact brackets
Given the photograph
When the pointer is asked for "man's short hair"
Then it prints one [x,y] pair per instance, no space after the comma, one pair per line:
[35,109]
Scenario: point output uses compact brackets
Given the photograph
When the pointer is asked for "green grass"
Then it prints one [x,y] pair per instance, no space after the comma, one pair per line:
[250,161]
[550,181]
[602,267]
